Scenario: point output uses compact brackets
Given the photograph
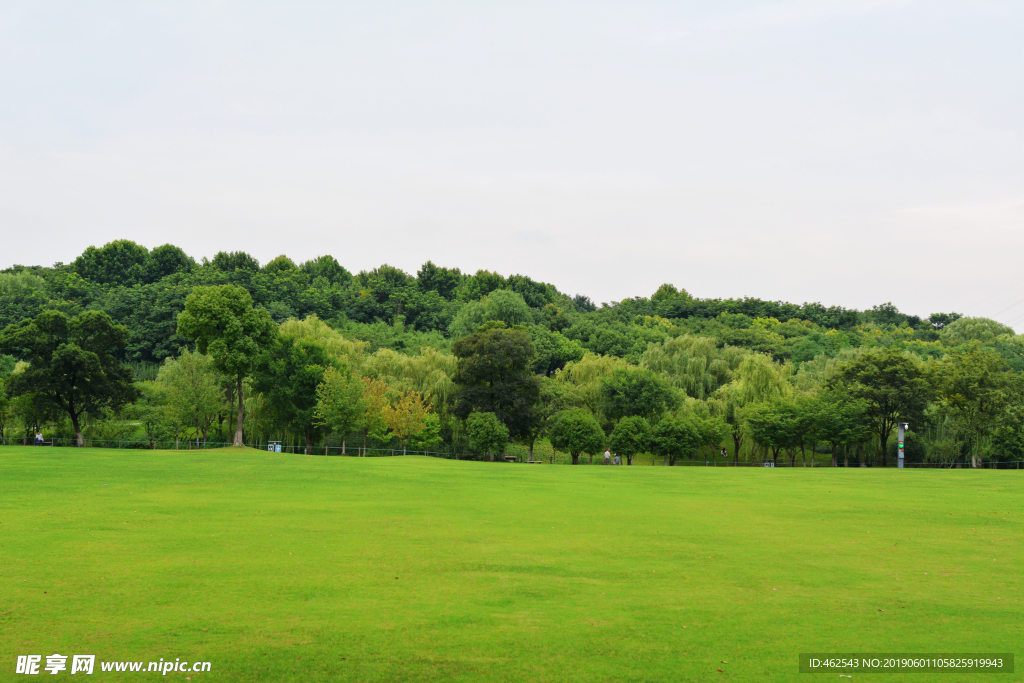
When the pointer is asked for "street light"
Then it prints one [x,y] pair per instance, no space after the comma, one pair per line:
[903,427]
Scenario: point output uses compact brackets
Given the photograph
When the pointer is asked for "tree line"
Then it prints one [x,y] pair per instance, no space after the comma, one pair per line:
[127,339]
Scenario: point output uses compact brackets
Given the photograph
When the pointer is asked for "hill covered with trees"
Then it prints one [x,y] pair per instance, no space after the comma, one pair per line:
[383,357]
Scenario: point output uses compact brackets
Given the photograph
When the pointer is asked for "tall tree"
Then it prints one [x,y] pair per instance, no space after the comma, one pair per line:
[5,411]
[494,376]
[775,425]
[444,281]
[755,380]
[192,391]
[328,268]
[222,321]
[711,430]
[288,373]
[893,387]
[501,306]
[486,434]
[235,260]
[375,399]
[339,401]
[975,389]
[72,364]
[7,365]
[675,437]
[839,419]
[577,432]
[407,418]
[630,436]
[121,262]
[554,398]
[626,392]
[166,260]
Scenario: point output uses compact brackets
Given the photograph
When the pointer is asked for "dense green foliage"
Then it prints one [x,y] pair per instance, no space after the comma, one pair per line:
[223,323]
[315,355]
[486,433]
[70,367]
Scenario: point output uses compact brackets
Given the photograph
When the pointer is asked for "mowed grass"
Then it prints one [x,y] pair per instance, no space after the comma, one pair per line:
[282,567]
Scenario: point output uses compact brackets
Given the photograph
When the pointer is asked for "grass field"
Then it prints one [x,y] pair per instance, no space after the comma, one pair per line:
[296,568]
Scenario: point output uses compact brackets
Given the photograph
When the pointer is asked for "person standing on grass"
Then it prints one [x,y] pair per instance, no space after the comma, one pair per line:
[607,457]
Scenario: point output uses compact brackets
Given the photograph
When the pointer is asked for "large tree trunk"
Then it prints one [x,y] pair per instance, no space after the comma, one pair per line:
[241,408]
[835,459]
[77,425]
[309,442]
[575,458]
[883,441]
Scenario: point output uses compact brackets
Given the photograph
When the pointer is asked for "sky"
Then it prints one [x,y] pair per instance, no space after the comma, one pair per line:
[852,153]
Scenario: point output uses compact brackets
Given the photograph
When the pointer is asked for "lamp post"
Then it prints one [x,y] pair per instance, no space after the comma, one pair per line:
[899,442]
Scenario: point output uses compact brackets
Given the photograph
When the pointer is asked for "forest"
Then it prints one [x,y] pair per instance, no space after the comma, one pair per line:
[133,347]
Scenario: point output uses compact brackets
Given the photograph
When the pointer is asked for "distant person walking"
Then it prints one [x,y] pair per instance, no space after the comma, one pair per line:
[607,457]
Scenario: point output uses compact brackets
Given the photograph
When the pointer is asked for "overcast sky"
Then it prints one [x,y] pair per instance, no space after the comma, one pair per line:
[851,153]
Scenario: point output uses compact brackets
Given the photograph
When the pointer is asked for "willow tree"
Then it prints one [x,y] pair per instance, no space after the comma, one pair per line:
[429,373]
[757,379]
[694,364]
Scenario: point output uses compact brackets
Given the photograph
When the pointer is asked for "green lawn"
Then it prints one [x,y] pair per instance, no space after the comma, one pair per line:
[295,568]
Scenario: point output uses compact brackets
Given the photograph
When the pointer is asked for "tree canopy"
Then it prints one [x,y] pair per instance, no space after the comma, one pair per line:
[494,376]
[223,322]
[363,344]
[71,364]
